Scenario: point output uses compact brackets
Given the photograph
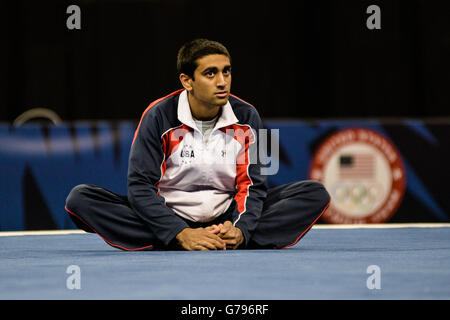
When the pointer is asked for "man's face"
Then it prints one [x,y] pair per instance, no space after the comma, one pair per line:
[212,82]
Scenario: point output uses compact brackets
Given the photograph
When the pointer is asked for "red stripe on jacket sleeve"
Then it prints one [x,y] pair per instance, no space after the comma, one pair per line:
[173,138]
[244,135]
[170,142]
[151,106]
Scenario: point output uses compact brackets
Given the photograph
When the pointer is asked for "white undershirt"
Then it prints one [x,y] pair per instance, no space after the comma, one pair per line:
[206,127]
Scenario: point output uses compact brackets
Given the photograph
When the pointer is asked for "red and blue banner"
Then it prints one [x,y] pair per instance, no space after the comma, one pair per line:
[375,171]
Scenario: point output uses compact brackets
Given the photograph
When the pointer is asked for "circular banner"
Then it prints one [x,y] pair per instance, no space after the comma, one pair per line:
[364,174]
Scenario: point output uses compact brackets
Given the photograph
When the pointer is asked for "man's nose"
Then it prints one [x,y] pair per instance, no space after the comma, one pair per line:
[221,81]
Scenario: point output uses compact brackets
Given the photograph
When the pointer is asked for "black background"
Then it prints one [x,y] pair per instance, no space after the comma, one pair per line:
[291,59]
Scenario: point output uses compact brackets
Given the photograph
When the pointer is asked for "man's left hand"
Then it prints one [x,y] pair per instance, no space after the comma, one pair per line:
[231,235]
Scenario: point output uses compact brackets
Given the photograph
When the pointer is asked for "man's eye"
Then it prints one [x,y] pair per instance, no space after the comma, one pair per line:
[209,74]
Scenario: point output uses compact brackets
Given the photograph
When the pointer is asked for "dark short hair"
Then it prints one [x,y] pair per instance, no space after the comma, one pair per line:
[190,52]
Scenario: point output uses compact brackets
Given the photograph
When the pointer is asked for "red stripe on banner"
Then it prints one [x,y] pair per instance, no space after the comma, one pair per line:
[362,166]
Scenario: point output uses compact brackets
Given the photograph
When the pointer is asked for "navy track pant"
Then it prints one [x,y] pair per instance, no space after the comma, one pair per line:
[288,213]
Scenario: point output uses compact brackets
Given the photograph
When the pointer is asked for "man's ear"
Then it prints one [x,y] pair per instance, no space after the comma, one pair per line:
[186,81]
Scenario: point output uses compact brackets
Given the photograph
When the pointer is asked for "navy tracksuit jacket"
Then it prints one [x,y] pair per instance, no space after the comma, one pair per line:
[176,180]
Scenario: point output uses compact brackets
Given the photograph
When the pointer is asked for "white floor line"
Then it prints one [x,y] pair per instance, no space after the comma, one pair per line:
[317,226]
[39,232]
[381,226]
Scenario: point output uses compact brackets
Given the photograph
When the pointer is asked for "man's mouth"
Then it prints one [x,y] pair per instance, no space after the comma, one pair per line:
[222,94]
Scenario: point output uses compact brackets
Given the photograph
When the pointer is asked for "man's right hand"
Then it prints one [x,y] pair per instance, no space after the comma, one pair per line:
[199,239]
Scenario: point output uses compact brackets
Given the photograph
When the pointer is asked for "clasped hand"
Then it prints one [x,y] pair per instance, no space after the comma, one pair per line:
[223,236]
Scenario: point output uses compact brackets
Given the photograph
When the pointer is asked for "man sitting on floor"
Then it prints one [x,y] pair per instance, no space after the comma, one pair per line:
[183,190]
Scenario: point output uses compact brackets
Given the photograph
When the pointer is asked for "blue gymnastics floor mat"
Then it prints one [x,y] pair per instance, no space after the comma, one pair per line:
[381,263]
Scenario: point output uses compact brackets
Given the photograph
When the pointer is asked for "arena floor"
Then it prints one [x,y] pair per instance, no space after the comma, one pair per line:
[330,262]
